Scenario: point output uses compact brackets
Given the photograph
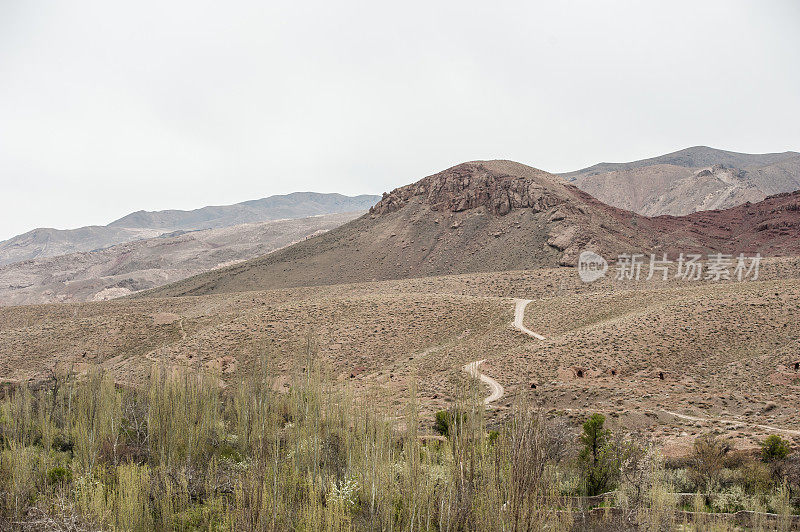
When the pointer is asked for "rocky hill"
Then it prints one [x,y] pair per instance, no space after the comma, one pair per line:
[690,180]
[491,216]
[477,216]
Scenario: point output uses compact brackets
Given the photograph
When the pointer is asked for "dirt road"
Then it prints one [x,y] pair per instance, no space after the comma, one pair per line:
[732,422]
[519,317]
[472,367]
[496,387]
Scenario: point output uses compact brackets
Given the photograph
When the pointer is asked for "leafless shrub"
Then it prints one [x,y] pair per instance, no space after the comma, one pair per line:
[708,460]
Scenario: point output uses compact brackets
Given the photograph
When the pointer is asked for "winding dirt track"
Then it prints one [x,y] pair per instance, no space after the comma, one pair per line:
[519,317]
[496,387]
[472,368]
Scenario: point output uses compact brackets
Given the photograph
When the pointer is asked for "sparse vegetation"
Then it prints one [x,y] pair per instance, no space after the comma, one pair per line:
[597,460]
[182,454]
[774,449]
[708,461]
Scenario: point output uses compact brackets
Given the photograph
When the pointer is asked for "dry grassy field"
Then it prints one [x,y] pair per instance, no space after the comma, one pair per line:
[639,352]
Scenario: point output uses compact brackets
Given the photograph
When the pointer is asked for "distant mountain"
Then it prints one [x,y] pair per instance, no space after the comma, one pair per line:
[46,242]
[41,243]
[491,216]
[294,205]
[694,157]
[690,180]
[126,268]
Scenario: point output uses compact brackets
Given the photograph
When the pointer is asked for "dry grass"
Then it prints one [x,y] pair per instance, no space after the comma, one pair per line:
[180,453]
[725,350]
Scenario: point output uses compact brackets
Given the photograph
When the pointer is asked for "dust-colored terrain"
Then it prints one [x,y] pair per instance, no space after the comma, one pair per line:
[493,216]
[690,180]
[127,268]
[640,352]
[369,300]
[48,242]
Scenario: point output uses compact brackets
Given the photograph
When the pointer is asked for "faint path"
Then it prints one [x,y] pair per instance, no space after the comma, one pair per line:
[496,387]
[472,367]
[519,316]
[733,422]
[180,326]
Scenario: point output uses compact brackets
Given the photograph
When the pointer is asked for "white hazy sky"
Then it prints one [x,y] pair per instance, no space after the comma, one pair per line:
[108,107]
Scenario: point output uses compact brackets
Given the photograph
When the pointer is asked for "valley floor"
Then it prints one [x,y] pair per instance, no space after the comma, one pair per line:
[672,359]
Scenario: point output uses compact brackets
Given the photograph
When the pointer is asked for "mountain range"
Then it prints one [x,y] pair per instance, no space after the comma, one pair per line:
[486,216]
[46,242]
[694,179]
[133,266]
[474,217]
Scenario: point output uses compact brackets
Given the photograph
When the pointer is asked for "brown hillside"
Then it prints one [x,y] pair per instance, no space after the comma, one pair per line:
[770,227]
[493,216]
[690,180]
[477,216]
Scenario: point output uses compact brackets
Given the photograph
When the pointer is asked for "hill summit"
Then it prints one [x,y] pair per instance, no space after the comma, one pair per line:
[498,186]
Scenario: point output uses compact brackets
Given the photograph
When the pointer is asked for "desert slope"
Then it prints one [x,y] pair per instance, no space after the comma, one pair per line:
[126,268]
[473,217]
[770,227]
[494,216]
[690,180]
[48,242]
[45,242]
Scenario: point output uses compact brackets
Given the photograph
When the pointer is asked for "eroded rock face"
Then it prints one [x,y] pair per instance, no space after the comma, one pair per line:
[468,186]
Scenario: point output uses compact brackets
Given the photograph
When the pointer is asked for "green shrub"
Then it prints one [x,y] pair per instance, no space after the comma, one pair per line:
[596,458]
[708,461]
[207,516]
[731,500]
[59,475]
[63,444]
[226,451]
[755,476]
[443,422]
[774,448]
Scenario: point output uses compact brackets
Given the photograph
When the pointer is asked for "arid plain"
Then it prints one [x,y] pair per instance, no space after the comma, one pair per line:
[674,358]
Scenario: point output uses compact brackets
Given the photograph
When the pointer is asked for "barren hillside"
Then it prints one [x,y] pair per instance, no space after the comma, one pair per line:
[46,242]
[477,216]
[690,180]
[126,268]
[492,216]
[721,352]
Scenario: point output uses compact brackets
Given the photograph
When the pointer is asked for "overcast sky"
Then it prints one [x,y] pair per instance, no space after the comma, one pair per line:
[110,107]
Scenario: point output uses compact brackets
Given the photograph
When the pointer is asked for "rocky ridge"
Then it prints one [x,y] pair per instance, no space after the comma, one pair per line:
[471,185]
